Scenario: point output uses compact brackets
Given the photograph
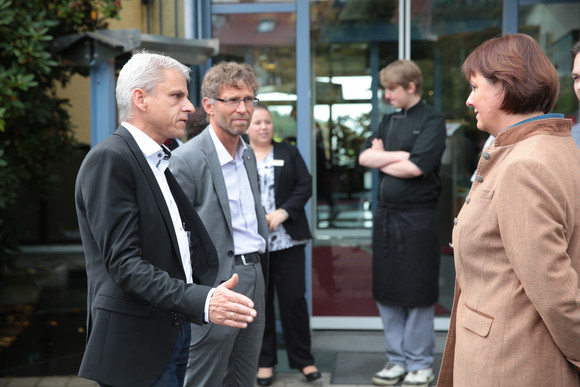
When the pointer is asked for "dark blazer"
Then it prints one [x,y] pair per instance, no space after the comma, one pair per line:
[292,189]
[137,294]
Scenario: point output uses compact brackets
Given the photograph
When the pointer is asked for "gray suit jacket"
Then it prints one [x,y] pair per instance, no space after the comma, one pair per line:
[197,169]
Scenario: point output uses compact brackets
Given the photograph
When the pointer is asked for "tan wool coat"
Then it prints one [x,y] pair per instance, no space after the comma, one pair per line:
[516,313]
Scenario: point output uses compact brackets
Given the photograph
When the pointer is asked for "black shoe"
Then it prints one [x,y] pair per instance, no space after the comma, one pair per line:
[312,376]
[265,381]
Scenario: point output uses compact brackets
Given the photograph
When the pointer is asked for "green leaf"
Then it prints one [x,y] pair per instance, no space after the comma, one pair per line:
[17,104]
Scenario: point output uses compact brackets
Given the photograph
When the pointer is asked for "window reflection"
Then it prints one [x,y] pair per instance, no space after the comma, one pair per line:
[343,36]
[555,27]
[351,42]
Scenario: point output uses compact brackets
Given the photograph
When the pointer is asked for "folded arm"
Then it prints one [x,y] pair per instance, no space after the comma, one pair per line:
[394,163]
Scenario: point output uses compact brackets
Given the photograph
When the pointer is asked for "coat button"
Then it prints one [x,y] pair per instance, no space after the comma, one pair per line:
[479,178]
[177,318]
[230,253]
[485,155]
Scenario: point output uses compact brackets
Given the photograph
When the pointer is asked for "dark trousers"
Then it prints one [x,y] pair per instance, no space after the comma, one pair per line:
[287,276]
[174,373]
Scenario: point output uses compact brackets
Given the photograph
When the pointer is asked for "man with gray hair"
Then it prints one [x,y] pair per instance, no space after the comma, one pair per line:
[150,262]
[218,172]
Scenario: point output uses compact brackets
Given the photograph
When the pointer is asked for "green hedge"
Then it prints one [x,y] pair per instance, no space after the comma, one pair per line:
[35,126]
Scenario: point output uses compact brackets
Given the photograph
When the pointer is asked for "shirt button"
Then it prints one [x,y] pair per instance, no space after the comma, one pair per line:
[467,200]
[486,155]
[479,178]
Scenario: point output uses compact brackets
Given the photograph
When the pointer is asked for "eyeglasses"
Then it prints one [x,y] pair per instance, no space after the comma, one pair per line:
[235,102]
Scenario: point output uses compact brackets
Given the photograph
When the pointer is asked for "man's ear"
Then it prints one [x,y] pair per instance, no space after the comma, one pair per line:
[411,88]
[140,99]
[208,106]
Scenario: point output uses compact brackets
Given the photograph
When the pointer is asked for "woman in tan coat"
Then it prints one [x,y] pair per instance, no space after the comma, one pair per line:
[516,313]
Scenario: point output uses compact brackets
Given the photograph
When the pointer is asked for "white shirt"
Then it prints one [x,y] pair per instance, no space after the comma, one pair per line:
[247,239]
[158,162]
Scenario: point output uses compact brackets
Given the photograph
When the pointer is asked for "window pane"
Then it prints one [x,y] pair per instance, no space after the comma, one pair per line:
[351,41]
[250,1]
[344,34]
[345,37]
[556,28]
[267,43]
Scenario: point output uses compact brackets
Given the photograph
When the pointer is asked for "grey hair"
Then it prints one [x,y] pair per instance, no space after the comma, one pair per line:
[228,74]
[143,71]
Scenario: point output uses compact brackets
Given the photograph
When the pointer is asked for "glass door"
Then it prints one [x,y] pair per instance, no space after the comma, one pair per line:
[350,42]
[348,38]
[266,41]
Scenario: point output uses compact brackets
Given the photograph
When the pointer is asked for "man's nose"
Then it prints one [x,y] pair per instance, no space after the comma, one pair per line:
[242,108]
[189,107]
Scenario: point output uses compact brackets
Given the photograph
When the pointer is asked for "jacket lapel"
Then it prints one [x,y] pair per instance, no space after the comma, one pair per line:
[152,181]
[217,176]
[202,250]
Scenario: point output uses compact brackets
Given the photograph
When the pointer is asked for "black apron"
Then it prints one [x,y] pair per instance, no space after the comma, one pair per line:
[406,254]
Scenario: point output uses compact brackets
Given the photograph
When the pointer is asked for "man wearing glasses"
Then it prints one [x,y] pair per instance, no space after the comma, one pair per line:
[217,171]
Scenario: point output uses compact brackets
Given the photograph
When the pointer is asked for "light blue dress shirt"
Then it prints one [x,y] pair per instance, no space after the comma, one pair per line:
[576,133]
[247,239]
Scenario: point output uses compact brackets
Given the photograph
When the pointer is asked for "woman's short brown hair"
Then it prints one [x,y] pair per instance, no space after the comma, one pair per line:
[527,78]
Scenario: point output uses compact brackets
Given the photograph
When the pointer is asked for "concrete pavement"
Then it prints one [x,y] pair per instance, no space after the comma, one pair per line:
[345,358]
